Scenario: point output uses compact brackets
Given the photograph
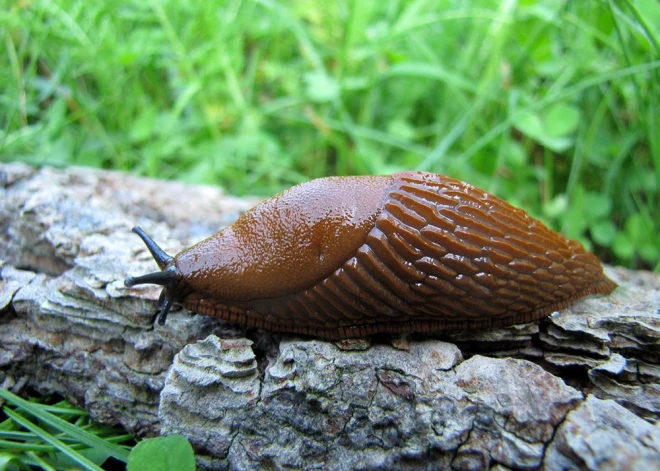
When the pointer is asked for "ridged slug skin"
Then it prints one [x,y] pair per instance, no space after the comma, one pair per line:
[345,257]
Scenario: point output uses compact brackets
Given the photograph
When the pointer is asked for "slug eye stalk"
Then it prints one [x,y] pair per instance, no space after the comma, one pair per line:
[162,258]
[169,277]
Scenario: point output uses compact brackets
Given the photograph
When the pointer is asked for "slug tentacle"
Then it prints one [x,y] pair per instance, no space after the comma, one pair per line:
[349,257]
[161,257]
[163,306]
[169,277]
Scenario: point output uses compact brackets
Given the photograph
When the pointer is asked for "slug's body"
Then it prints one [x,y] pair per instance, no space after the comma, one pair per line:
[344,257]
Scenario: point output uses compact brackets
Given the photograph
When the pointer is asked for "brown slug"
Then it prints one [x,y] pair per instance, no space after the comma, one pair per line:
[344,257]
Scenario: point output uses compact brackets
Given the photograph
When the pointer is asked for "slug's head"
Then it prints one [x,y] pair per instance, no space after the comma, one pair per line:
[170,278]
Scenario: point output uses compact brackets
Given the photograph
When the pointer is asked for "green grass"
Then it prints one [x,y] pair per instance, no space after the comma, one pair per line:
[36,435]
[552,105]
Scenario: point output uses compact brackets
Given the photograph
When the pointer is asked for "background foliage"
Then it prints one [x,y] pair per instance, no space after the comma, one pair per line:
[553,105]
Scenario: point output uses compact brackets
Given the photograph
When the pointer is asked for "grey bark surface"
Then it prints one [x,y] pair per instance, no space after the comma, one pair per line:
[579,390]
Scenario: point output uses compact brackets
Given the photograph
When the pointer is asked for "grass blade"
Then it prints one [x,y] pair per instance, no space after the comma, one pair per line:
[88,439]
[48,438]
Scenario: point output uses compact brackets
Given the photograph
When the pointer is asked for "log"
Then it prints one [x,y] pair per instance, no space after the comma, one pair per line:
[580,389]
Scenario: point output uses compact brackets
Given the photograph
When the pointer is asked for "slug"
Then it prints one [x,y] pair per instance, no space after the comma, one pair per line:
[346,257]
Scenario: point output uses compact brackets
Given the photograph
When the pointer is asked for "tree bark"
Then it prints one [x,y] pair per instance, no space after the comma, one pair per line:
[581,389]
